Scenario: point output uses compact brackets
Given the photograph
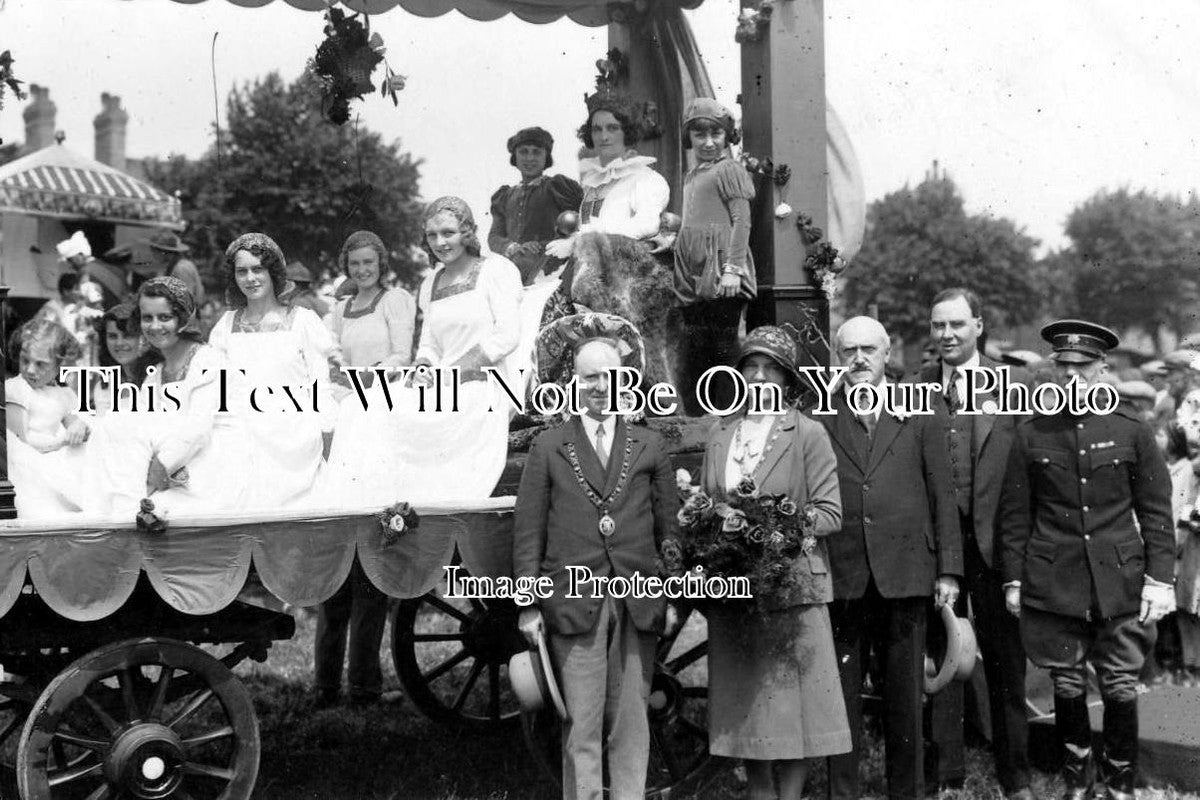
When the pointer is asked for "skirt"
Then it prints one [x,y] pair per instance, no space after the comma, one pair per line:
[773,686]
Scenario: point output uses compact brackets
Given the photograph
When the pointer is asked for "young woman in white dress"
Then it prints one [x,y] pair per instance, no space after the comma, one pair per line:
[278,345]
[470,306]
[181,453]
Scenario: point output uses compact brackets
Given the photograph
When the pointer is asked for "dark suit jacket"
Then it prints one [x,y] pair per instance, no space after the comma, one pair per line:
[899,519]
[801,464]
[993,438]
[556,525]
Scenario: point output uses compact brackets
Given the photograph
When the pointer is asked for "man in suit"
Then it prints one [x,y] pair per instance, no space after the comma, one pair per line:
[597,493]
[900,544]
[978,446]
[1087,552]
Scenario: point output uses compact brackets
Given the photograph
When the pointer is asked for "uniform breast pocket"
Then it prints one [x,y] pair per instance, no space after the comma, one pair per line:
[1045,460]
[1109,468]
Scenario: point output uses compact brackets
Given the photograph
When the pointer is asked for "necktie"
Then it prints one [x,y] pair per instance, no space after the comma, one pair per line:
[601,446]
[868,421]
[953,398]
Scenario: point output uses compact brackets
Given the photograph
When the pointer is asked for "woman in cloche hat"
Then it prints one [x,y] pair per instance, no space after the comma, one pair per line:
[523,215]
[774,693]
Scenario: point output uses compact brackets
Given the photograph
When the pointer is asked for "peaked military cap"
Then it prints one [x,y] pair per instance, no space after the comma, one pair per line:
[1076,341]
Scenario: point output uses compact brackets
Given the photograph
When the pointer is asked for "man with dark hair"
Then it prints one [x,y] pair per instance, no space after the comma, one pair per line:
[1087,554]
[978,446]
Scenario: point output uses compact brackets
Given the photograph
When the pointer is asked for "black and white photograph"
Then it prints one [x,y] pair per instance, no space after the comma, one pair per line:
[522,399]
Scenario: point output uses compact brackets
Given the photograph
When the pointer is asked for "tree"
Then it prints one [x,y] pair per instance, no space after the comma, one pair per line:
[281,169]
[1134,261]
[921,240]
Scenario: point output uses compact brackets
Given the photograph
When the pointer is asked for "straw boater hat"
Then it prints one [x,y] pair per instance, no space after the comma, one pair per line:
[531,675]
[958,660]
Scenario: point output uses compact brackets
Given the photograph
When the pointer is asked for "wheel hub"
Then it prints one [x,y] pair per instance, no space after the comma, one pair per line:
[146,759]
[666,696]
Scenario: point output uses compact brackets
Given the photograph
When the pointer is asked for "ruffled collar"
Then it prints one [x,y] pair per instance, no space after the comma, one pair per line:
[593,176]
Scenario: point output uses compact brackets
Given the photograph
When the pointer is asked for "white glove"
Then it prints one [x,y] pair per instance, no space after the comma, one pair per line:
[1158,600]
[561,248]
[1012,598]
[531,625]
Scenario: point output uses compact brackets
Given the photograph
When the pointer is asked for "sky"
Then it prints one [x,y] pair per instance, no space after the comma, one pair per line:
[1031,106]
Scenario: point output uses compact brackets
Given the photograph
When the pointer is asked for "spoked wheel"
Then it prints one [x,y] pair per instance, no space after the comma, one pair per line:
[141,720]
[678,711]
[452,657]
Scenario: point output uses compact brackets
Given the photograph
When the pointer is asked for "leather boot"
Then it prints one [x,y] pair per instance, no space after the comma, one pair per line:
[1075,729]
[1120,748]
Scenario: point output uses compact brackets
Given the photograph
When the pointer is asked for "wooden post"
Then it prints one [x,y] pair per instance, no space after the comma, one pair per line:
[783,116]
[8,507]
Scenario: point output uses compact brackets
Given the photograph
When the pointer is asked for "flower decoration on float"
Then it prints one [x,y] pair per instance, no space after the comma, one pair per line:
[8,80]
[821,258]
[748,534]
[345,62]
[149,521]
[779,174]
[397,521]
[753,22]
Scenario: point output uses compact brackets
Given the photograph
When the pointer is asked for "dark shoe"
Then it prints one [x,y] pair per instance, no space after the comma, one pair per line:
[1075,729]
[1120,748]
[326,698]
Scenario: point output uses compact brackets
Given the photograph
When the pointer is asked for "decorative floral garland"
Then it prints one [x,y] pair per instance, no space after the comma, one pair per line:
[8,79]
[780,174]
[752,22]
[396,521]
[344,63]
[822,258]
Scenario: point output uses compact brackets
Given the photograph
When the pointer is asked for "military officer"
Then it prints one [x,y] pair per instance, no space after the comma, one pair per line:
[1087,555]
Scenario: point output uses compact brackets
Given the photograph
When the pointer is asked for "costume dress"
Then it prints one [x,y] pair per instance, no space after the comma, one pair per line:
[774,691]
[287,444]
[368,335]
[715,232]
[414,451]
[46,483]
[526,213]
[215,449]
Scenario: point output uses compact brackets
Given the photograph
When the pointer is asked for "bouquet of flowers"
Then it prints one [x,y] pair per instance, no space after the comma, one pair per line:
[748,534]
[397,520]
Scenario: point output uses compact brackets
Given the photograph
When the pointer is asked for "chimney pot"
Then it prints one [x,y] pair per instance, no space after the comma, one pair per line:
[110,126]
[39,119]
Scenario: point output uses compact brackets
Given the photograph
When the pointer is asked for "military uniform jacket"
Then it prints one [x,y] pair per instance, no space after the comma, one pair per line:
[899,519]
[556,525]
[1085,514]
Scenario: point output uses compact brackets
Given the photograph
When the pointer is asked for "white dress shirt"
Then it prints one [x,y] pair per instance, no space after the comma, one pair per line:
[960,379]
[591,425]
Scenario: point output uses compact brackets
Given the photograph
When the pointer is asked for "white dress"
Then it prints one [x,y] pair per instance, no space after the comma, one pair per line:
[46,482]
[624,197]
[420,455]
[214,448]
[286,442]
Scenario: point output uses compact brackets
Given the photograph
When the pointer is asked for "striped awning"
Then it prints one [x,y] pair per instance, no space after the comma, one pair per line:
[55,182]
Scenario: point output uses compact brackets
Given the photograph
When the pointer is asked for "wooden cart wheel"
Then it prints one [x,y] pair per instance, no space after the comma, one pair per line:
[144,719]
[678,711]
[452,657]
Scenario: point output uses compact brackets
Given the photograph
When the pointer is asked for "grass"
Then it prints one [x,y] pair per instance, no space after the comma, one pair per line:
[392,752]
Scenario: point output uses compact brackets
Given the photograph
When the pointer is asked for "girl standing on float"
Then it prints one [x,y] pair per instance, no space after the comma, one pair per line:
[714,272]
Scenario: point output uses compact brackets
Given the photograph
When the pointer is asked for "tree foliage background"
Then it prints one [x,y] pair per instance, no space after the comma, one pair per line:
[1133,262]
[920,240]
[283,170]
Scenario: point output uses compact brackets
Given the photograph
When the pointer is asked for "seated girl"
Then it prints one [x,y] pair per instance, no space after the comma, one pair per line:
[45,435]
[180,452]
[471,320]
[121,346]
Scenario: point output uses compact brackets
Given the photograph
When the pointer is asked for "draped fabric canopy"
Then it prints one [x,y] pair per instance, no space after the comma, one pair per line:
[585,12]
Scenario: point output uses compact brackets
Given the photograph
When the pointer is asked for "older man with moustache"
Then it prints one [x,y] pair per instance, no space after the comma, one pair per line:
[598,493]
[900,545]
[978,446]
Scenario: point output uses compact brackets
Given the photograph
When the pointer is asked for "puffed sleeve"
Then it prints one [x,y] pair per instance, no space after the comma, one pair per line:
[498,240]
[318,349]
[200,394]
[566,193]
[736,190]
[218,337]
[648,197]
[16,392]
[428,350]
[400,314]
[333,323]
[502,282]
